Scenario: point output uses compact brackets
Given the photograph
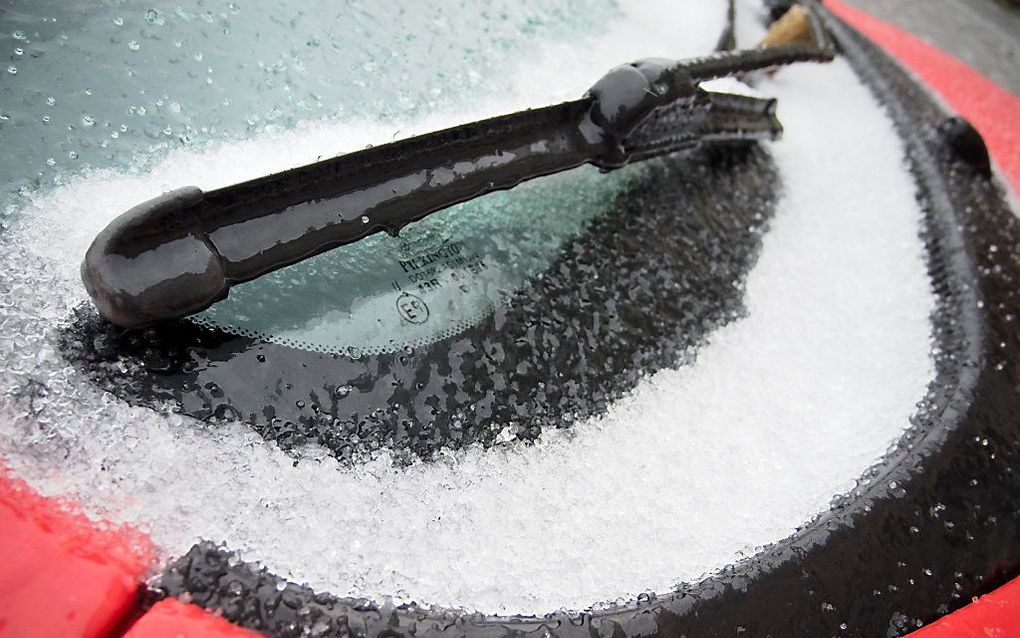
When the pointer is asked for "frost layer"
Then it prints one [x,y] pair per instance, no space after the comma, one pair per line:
[697,467]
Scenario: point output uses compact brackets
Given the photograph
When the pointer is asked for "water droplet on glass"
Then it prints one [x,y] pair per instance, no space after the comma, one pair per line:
[13,70]
[50,161]
[88,120]
[51,101]
[133,45]
[364,219]
[19,35]
[19,51]
[119,21]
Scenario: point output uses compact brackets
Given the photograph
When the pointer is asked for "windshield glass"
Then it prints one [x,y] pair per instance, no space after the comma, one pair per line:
[438,277]
[128,85]
[746,323]
[113,84]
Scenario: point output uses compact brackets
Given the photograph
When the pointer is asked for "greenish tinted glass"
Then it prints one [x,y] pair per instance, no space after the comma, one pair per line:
[119,84]
[103,83]
[440,276]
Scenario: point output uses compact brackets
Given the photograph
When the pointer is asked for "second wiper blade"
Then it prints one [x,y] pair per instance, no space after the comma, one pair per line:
[179,253]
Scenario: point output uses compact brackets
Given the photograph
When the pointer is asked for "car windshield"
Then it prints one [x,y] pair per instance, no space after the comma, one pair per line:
[590,388]
[135,85]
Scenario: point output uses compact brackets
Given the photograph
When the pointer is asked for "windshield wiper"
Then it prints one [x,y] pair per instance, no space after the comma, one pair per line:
[179,253]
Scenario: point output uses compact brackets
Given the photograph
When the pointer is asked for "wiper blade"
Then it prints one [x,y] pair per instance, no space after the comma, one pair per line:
[181,252]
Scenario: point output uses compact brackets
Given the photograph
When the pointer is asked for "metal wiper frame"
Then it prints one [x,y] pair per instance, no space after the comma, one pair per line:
[181,252]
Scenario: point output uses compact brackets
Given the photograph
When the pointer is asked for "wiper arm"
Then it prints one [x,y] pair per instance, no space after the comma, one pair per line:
[179,253]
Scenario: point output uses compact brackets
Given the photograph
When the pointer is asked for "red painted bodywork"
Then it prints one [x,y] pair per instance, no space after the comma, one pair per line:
[994,111]
[173,619]
[995,615]
[63,575]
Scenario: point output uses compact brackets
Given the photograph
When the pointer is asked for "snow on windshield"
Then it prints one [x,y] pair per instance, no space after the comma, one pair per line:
[696,467]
